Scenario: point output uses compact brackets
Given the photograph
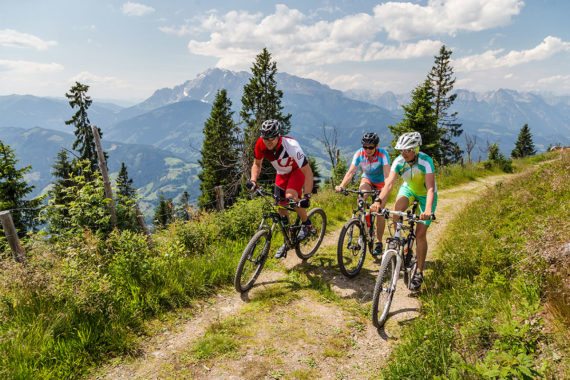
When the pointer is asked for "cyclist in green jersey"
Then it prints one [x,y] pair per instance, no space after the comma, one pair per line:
[418,172]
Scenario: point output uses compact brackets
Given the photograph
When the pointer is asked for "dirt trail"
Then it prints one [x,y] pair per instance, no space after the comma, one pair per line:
[299,334]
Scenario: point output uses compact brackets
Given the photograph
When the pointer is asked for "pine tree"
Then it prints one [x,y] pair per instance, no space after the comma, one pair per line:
[164,212]
[84,207]
[419,116]
[126,201]
[84,142]
[62,172]
[184,210]
[13,190]
[220,154]
[316,173]
[442,81]
[524,146]
[261,100]
[124,183]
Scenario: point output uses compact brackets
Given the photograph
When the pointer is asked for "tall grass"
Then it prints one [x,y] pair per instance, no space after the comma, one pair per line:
[86,299]
[481,313]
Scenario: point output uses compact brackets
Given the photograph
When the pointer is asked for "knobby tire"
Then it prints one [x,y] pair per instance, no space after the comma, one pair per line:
[384,289]
[350,257]
[252,260]
[307,247]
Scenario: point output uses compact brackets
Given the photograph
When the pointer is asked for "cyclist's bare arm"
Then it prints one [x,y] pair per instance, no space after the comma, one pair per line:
[376,206]
[255,169]
[308,186]
[430,186]
[386,172]
[347,177]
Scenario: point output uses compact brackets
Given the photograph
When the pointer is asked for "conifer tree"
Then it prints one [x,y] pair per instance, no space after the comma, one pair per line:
[419,116]
[126,201]
[220,154]
[14,189]
[442,81]
[184,210]
[124,183]
[316,173]
[164,212]
[261,100]
[524,146]
[85,204]
[84,142]
[62,171]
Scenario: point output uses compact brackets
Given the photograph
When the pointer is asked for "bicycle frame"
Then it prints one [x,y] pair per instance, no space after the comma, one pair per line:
[289,235]
[361,210]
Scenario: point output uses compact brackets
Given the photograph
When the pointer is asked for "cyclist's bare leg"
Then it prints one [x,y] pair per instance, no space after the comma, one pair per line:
[402,204]
[380,221]
[290,193]
[421,245]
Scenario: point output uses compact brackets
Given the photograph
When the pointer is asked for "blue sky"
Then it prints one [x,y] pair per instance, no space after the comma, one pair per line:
[125,50]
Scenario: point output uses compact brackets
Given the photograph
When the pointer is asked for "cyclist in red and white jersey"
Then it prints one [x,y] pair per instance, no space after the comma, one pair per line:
[294,175]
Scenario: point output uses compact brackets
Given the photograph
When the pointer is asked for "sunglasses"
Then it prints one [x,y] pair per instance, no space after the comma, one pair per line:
[269,138]
[369,147]
[407,150]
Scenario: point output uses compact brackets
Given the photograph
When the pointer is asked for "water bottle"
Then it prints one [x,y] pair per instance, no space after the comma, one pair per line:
[368,219]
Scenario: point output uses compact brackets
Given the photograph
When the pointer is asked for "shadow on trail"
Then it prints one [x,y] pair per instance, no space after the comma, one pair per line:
[323,274]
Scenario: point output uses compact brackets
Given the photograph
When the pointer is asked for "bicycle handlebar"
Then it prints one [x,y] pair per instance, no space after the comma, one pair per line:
[404,214]
[359,192]
[290,201]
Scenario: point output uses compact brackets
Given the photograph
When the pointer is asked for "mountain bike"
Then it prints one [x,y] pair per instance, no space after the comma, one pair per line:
[398,255]
[257,250]
[356,235]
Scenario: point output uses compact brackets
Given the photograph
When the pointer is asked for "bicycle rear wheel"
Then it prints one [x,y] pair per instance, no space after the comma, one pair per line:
[351,249]
[252,260]
[308,246]
[385,288]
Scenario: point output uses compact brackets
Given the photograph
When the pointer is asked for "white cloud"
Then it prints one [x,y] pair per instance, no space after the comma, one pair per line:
[493,59]
[179,31]
[95,80]
[555,84]
[136,9]
[237,36]
[13,38]
[404,21]
[27,67]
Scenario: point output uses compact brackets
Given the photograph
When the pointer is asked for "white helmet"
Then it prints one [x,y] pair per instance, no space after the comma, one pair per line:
[409,140]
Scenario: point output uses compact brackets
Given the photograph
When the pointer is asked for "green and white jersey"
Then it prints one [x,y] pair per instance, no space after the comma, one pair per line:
[414,175]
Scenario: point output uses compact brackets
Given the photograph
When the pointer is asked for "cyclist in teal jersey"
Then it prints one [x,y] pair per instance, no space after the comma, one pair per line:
[375,165]
[418,172]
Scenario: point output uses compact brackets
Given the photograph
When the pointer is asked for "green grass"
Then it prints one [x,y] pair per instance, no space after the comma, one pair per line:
[481,313]
[80,302]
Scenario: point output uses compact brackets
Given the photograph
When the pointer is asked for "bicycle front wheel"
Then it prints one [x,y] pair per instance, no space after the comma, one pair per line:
[308,246]
[385,288]
[351,249]
[252,260]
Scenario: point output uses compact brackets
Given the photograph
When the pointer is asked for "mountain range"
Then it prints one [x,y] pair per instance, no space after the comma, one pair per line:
[160,138]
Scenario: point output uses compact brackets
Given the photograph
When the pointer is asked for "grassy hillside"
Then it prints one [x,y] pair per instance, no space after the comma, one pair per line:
[81,301]
[495,305]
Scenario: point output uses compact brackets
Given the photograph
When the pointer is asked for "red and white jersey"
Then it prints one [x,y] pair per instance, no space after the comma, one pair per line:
[286,157]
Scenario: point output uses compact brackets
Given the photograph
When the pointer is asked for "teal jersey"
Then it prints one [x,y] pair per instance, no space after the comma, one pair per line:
[415,175]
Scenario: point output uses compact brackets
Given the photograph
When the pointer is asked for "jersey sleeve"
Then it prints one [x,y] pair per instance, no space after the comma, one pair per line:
[427,163]
[294,150]
[258,150]
[356,159]
[397,165]
[385,157]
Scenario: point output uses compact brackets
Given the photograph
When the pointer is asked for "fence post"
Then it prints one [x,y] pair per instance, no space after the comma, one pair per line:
[12,236]
[105,174]
[219,197]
